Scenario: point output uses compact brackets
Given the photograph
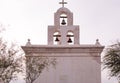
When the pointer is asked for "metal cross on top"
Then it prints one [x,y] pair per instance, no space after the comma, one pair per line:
[63,2]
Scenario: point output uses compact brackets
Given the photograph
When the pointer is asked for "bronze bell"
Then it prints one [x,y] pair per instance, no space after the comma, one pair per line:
[63,22]
[57,40]
[69,40]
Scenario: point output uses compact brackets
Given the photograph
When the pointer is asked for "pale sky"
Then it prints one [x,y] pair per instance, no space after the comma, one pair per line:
[25,19]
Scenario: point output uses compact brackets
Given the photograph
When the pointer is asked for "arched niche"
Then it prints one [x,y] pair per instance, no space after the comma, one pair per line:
[63,20]
[66,12]
[56,38]
[70,37]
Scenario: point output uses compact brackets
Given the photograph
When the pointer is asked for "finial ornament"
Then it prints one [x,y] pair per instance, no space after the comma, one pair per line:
[28,43]
[97,42]
[63,2]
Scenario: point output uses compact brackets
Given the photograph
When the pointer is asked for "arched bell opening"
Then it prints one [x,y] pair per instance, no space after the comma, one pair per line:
[63,20]
[57,38]
[70,38]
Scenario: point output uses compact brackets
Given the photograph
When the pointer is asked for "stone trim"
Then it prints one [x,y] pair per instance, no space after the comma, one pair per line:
[69,51]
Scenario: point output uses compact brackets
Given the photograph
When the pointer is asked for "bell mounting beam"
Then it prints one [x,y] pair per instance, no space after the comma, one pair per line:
[56,35]
[63,3]
[63,16]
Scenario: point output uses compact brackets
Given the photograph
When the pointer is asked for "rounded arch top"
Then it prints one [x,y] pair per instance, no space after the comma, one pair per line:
[70,31]
[57,32]
[63,10]
[67,12]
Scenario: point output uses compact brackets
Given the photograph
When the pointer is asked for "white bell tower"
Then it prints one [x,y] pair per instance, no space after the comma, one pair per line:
[76,63]
[63,32]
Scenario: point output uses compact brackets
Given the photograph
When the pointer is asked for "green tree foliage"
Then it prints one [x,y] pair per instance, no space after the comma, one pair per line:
[11,58]
[35,66]
[111,60]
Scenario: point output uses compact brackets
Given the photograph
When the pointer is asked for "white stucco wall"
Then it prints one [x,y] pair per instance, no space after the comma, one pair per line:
[75,64]
[72,70]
